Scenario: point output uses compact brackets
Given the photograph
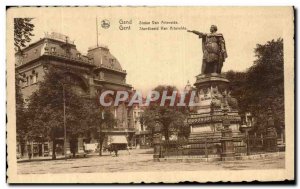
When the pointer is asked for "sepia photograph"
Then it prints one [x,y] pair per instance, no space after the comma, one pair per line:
[150,94]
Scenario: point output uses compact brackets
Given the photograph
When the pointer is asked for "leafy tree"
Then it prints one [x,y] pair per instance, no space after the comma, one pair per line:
[23,31]
[262,85]
[97,119]
[238,88]
[171,118]
[21,117]
[46,110]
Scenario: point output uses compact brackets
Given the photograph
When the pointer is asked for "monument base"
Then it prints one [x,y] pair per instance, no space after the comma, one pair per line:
[212,96]
[216,114]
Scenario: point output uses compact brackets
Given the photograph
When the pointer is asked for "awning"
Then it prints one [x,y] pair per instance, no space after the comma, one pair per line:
[117,139]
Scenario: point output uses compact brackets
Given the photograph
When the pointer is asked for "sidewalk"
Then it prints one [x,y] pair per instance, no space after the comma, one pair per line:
[47,158]
[93,154]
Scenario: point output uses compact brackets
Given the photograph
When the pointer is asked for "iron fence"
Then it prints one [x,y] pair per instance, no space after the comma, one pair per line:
[212,146]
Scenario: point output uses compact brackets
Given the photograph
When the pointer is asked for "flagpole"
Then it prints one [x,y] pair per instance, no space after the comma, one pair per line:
[97,30]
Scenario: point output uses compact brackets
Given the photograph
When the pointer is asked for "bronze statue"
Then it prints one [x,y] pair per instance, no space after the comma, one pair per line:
[214,50]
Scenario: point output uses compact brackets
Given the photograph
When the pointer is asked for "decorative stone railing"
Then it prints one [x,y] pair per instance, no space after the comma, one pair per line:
[65,56]
[213,118]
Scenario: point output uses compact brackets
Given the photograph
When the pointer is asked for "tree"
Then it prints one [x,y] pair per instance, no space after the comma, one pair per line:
[98,118]
[262,85]
[238,88]
[46,110]
[22,32]
[21,120]
[171,118]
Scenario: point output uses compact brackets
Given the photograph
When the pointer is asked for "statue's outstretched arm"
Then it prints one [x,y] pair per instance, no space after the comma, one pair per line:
[196,32]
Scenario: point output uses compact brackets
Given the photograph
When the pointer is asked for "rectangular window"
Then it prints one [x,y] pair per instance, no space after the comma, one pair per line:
[27,81]
[30,80]
[35,78]
[53,49]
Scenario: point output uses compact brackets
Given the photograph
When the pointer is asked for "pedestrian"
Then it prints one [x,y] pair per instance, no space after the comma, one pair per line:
[127,148]
[115,148]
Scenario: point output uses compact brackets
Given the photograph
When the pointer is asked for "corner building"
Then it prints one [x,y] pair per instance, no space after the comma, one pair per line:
[90,74]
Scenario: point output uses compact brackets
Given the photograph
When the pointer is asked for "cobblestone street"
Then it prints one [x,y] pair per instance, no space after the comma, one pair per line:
[136,161]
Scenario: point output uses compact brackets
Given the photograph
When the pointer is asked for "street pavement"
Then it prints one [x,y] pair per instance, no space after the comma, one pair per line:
[139,160]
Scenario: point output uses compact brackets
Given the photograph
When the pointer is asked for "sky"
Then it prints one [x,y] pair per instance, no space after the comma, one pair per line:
[167,57]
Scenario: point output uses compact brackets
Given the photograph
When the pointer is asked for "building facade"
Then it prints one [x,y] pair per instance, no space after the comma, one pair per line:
[92,73]
[142,137]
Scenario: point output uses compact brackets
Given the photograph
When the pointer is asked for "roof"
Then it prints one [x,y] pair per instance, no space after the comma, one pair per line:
[61,46]
[103,58]
[51,45]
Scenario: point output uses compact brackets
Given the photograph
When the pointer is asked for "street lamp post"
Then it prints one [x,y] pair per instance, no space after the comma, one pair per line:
[100,133]
[64,114]
[65,128]
[157,139]
[65,119]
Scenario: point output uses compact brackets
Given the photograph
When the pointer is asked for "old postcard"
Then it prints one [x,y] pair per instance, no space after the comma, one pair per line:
[150,94]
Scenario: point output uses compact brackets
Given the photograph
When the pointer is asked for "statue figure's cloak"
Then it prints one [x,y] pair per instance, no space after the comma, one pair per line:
[212,46]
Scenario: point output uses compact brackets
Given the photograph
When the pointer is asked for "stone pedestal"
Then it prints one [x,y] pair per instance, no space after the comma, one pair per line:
[212,96]
[270,142]
[227,144]
[227,140]
[217,112]
[210,90]
[246,129]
